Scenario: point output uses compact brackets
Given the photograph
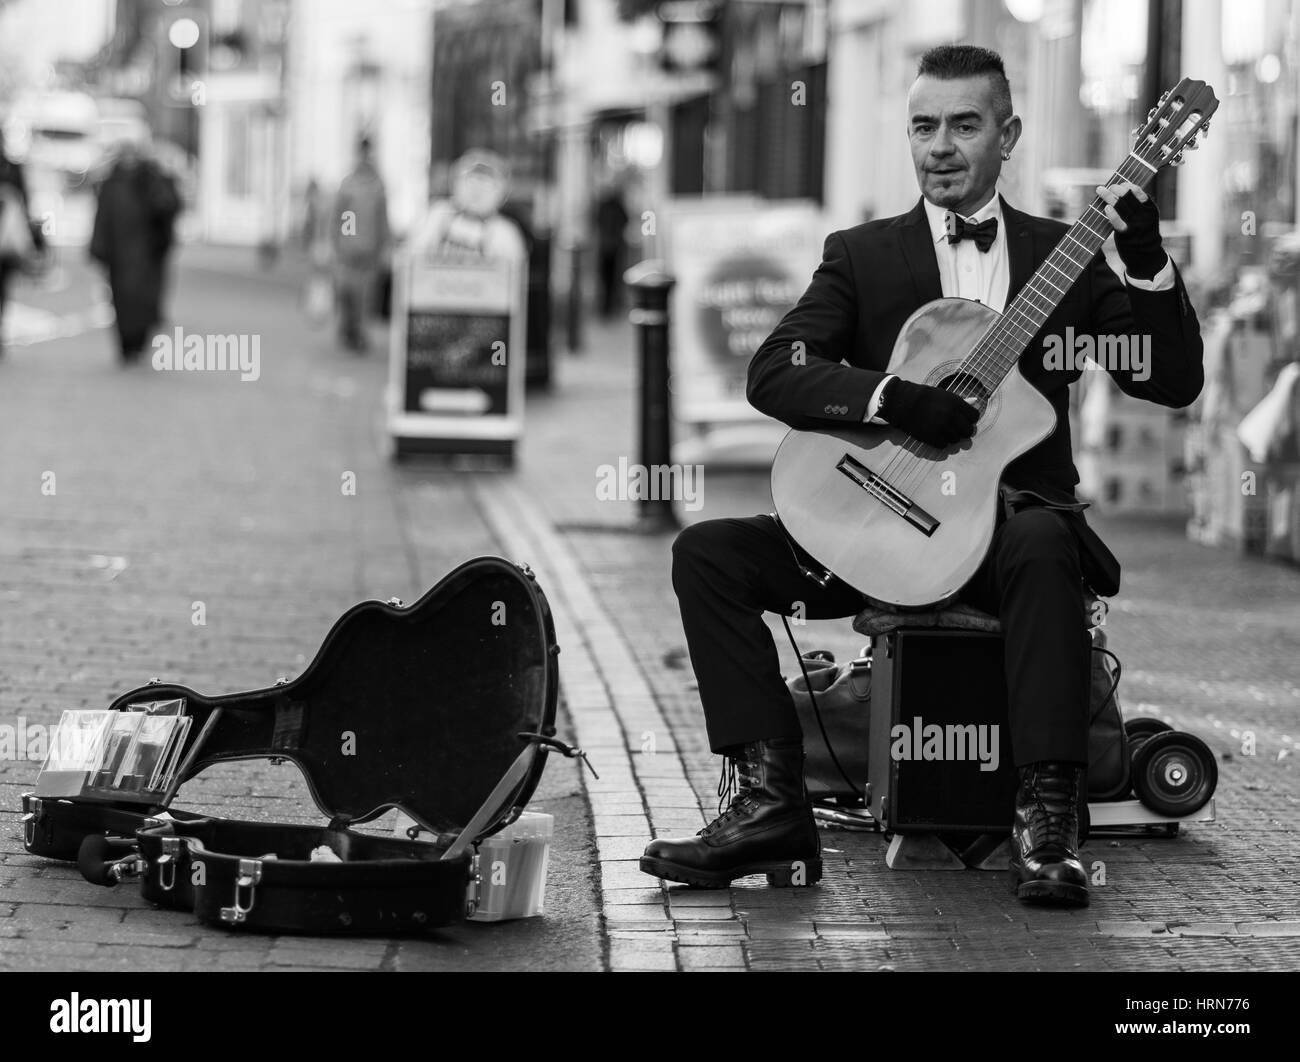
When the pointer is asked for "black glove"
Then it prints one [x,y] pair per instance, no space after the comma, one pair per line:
[931,414]
[1139,246]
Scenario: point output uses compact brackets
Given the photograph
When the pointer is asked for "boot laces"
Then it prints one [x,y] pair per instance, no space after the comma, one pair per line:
[739,777]
[1053,801]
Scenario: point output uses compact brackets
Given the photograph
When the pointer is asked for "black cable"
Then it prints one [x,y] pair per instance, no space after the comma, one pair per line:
[1119,669]
[817,713]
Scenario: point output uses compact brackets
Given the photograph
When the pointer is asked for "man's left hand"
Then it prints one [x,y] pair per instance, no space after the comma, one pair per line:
[1133,215]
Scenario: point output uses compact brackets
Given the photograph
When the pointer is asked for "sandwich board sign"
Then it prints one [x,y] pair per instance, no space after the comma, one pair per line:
[740,263]
[457,346]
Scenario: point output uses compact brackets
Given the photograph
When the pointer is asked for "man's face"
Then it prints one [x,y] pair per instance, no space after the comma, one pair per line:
[956,141]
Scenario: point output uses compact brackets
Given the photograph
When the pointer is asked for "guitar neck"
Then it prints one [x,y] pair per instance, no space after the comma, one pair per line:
[999,351]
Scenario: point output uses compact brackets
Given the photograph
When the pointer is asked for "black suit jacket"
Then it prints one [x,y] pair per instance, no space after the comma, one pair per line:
[874,276]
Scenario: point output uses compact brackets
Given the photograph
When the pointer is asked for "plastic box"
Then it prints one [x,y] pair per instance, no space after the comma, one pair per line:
[511,867]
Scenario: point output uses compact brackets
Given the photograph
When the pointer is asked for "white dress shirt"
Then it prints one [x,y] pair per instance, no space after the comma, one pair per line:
[966,272]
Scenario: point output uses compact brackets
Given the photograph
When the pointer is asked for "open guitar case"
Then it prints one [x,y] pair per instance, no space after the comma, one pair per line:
[444,710]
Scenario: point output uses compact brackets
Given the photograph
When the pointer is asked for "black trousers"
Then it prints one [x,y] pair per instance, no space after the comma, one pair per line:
[727,573]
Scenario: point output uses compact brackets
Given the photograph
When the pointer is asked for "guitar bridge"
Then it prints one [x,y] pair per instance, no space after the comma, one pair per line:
[888,495]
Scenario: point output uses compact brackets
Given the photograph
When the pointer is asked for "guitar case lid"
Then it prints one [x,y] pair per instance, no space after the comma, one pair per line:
[417,708]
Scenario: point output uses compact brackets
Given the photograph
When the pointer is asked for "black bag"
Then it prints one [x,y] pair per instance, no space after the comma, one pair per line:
[1108,751]
[844,704]
[444,710]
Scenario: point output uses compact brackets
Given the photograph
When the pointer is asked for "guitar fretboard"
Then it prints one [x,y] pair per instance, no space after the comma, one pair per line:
[1000,348]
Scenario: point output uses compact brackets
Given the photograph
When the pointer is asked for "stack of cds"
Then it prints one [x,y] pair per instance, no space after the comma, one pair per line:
[130,756]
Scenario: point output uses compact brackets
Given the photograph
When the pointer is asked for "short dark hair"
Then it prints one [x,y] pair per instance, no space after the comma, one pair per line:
[950,61]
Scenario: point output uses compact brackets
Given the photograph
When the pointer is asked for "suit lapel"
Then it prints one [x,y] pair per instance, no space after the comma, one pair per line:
[1020,249]
[918,253]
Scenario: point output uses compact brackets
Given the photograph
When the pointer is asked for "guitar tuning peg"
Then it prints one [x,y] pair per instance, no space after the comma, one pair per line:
[1177,160]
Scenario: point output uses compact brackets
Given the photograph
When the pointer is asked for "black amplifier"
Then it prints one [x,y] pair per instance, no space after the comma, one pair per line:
[940,746]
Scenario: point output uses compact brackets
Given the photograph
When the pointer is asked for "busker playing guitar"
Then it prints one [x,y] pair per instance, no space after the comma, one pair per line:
[961,240]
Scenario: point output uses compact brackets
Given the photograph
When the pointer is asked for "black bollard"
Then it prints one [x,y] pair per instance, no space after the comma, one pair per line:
[573,314]
[650,285]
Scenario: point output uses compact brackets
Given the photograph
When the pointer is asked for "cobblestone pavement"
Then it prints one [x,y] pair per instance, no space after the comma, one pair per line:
[171,489]
[1209,643]
[175,489]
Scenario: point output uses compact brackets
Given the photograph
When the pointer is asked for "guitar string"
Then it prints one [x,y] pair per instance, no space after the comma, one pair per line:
[990,355]
[995,344]
[905,470]
[1152,142]
[986,352]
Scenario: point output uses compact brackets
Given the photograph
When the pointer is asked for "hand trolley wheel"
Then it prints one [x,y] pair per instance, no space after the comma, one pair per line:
[1174,773]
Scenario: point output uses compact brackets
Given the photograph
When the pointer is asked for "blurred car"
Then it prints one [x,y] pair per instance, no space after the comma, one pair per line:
[57,132]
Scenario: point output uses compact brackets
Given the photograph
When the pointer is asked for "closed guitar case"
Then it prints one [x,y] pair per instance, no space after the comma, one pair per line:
[443,710]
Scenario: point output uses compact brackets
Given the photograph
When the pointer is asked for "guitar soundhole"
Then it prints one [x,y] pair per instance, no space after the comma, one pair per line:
[968,386]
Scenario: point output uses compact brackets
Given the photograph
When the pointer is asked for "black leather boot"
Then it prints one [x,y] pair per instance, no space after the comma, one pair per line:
[767,829]
[1045,837]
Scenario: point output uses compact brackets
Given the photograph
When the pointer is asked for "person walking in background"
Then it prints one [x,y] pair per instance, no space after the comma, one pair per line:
[361,240]
[18,237]
[313,214]
[132,237]
[611,239]
[316,236]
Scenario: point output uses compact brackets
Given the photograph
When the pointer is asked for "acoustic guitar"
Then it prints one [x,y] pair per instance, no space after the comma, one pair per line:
[908,524]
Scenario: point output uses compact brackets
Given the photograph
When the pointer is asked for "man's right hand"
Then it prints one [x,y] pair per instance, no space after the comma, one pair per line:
[937,417]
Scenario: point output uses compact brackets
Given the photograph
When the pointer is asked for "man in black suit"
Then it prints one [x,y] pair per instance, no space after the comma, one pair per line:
[823,367]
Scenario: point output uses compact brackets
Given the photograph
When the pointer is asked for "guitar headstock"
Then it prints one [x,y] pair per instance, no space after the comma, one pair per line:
[1175,124]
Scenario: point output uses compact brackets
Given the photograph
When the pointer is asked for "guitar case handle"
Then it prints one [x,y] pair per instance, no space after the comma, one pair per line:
[106,860]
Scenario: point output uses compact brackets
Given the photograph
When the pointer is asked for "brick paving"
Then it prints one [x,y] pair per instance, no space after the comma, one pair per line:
[1209,642]
[228,493]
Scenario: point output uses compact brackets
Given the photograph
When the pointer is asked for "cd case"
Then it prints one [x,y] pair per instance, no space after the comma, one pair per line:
[129,755]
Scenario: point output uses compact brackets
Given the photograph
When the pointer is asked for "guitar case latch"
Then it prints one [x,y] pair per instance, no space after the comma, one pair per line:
[171,850]
[31,819]
[473,886]
[246,882]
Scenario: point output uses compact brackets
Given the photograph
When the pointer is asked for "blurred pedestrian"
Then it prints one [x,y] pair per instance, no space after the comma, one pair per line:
[132,237]
[18,236]
[472,224]
[361,243]
[315,234]
[313,210]
[611,241]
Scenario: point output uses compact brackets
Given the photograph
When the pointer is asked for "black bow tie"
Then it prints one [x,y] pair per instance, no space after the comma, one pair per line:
[983,234]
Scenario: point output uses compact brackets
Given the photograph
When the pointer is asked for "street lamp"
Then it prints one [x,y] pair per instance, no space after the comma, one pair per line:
[183,33]
[1025,10]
